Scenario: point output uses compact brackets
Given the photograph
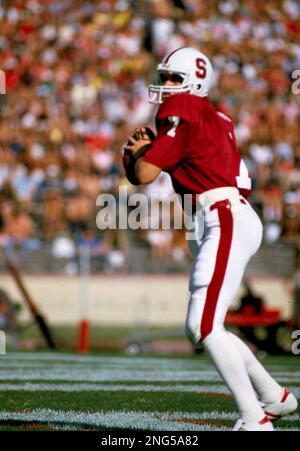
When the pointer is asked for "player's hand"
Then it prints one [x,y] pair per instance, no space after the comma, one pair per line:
[139,142]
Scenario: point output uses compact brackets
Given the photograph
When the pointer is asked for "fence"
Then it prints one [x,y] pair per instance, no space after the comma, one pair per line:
[275,260]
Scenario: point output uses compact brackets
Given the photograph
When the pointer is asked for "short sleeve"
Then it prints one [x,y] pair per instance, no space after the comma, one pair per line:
[170,146]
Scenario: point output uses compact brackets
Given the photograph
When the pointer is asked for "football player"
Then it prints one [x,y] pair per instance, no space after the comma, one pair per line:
[196,145]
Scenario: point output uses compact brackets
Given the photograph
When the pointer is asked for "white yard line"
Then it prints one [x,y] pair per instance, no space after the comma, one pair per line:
[178,388]
[90,374]
[50,357]
[114,388]
[177,421]
[94,371]
[106,365]
[154,421]
[191,363]
[73,374]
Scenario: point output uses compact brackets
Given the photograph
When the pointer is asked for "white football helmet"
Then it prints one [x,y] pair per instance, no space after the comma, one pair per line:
[191,67]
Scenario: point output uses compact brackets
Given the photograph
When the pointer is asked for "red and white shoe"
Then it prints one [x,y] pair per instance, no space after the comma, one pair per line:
[288,404]
[264,425]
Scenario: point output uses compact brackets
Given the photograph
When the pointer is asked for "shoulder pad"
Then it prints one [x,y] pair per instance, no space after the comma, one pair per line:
[186,106]
[177,105]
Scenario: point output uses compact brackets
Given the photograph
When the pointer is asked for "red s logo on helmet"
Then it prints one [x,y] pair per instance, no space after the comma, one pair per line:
[200,64]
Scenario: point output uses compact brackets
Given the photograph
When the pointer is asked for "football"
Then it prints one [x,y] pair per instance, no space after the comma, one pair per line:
[129,159]
[129,162]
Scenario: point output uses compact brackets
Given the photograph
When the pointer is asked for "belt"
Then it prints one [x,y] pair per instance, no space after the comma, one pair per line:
[209,198]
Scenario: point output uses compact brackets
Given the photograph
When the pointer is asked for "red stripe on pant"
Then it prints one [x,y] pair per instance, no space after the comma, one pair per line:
[214,288]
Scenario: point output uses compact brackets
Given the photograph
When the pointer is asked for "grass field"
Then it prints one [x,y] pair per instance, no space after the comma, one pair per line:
[54,391]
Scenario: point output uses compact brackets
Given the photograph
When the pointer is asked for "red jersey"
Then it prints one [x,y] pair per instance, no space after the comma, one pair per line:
[196,145]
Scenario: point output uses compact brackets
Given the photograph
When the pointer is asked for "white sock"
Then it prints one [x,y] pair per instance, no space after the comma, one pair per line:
[230,364]
[268,389]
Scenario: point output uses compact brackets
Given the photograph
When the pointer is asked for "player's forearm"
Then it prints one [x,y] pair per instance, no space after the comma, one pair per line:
[139,173]
[146,172]
[136,173]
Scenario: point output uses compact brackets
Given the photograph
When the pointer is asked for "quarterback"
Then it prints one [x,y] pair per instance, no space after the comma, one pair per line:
[196,145]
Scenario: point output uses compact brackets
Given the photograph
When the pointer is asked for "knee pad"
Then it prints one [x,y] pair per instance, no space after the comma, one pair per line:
[214,336]
[193,334]
[194,317]
[195,328]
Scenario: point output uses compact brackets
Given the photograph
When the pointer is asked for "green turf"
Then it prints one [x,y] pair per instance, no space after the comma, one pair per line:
[138,401]
[85,401]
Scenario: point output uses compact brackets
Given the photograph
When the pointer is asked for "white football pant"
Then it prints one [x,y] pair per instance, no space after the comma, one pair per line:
[232,234]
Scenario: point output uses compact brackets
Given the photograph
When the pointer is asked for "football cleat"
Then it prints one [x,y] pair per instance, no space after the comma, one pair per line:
[288,404]
[264,425]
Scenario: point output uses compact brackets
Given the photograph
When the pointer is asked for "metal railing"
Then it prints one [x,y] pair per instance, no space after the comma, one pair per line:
[271,260]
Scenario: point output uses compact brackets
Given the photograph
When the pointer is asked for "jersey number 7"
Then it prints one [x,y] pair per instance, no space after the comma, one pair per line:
[175,120]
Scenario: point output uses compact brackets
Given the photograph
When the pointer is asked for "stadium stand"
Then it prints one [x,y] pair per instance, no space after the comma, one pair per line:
[77,76]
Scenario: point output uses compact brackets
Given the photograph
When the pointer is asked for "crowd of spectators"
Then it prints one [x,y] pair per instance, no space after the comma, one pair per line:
[77,76]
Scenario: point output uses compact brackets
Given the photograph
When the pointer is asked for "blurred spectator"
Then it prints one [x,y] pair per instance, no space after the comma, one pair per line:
[7,313]
[77,76]
[180,251]
[160,243]
[102,251]
[89,240]
[117,242]
[79,212]
[19,233]
[54,221]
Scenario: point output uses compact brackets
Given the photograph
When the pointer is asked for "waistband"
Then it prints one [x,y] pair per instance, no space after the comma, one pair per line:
[212,196]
